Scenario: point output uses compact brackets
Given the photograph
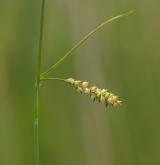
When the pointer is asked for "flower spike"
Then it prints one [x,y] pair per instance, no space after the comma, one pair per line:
[95,93]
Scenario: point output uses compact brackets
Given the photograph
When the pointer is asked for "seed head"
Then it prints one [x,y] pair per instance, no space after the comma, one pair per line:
[96,94]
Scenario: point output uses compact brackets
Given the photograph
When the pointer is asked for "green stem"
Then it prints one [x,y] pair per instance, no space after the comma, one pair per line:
[82,41]
[36,110]
[54,78]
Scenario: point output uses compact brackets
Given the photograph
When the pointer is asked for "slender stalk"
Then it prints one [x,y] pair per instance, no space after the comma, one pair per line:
[81,42]
[53,78]
[36,110]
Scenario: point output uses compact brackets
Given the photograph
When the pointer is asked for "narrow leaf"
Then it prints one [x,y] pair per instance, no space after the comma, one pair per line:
[81,42]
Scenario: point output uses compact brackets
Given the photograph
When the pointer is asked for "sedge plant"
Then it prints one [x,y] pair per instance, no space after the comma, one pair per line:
[95,93]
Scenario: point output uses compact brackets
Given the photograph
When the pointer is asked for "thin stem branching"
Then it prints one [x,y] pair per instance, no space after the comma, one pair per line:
[79,85]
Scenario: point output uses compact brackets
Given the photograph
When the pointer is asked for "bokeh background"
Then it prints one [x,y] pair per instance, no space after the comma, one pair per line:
[124,57]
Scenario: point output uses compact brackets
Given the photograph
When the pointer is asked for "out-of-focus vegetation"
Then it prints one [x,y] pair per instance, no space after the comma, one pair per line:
[124,57]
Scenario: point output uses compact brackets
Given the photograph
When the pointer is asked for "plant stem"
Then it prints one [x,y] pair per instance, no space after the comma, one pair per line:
[53,78]
[36,110]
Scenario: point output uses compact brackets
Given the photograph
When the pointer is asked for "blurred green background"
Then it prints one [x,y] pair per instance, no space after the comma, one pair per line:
[123,57]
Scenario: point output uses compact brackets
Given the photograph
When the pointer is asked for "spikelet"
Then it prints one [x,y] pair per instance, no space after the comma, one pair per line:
[96,94]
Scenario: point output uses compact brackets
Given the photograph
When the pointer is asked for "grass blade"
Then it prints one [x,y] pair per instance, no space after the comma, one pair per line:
[81,42]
